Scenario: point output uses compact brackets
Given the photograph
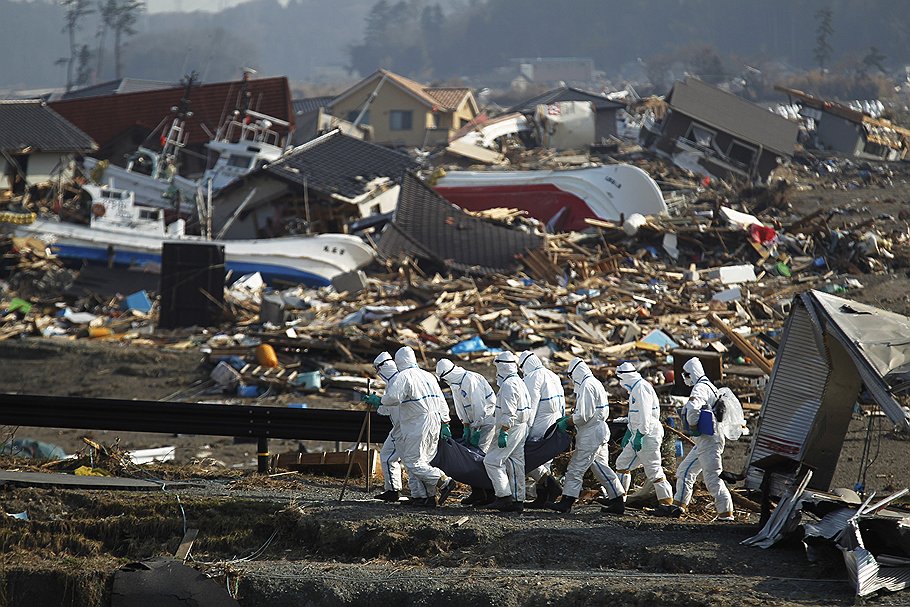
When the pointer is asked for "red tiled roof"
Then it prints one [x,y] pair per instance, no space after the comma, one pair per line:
[104,118]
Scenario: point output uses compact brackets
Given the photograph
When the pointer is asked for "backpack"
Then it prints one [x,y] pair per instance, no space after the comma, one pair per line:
[729,414]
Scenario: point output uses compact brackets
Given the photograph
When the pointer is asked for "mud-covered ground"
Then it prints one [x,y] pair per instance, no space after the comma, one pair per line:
[359,552]
[288,541]
[312,550]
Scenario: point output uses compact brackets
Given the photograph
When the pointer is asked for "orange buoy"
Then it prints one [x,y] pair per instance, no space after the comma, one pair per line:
[266,356]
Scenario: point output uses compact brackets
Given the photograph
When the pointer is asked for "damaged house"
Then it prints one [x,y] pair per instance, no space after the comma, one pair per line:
[716,133]
[37,145]
[319,187]
[844,130]
[604,110]
[405,113]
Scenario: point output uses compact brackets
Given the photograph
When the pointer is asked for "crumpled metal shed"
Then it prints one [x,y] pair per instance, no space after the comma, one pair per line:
[831,348]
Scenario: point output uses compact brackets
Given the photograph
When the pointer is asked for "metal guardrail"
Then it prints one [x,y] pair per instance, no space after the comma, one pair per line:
[188,418]
[255,421]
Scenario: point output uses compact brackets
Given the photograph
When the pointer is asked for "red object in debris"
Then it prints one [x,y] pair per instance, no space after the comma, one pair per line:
[706,181]
[669,376]
[762,234]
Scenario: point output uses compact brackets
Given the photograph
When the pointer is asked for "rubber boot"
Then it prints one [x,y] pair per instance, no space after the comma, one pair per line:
[445,490]
[554,489]
[503,504]
[543,495]
[387,496]
[564,505]
[668,510]
[489,496]
[477,497]
[617,505]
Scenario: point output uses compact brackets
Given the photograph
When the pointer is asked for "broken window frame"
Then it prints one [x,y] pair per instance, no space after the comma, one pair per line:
[750,148]
[404,122]
[692,137]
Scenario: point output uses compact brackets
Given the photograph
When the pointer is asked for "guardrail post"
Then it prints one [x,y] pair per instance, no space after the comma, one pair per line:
[262,455]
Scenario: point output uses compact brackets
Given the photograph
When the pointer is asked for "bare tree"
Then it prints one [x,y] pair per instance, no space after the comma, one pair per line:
[75,11]
[125,16]
[107,9]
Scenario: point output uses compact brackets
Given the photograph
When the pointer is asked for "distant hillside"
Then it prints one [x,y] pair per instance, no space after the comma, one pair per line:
[314,40]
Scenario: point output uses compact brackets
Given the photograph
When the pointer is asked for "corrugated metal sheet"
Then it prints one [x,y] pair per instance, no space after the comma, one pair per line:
[831,524]
[793,398]
[865,573]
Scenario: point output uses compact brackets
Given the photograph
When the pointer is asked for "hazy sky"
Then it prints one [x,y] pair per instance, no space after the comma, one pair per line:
[159,6]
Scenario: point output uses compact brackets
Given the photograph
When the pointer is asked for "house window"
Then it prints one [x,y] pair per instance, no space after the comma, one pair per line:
[352,116]
[741,153]
[700,136]
[463,122]
[401,120]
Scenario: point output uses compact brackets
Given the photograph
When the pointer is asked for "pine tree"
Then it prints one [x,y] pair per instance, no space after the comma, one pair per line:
[823,33]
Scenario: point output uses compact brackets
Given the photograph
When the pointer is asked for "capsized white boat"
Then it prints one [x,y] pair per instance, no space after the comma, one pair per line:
[561,198]
[132,235]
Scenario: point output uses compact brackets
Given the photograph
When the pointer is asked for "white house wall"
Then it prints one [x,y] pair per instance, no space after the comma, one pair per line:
[383,203]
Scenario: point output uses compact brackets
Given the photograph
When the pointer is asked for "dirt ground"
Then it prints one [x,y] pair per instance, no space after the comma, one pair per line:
[287,540]
[364,553]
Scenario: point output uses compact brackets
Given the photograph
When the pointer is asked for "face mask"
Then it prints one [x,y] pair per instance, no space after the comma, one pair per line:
[386,372]
[687,379]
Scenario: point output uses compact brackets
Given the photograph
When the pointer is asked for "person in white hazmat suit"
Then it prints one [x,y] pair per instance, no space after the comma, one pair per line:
[548,403]
[392,448]
[705,456]
[592,434]
[423,414]
[475,403]
[505,461]
[644,435]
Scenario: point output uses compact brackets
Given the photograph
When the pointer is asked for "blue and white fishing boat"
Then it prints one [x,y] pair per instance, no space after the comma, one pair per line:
[124,233]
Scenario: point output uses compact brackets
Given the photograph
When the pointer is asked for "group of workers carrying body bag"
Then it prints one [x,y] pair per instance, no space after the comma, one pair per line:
[512,435]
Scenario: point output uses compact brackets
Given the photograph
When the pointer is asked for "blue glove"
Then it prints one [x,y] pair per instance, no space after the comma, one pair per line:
[626,437]
[445,432]
[372,399]
[475,438]
[563,423]
[466,435]
[503,438]
[636,442]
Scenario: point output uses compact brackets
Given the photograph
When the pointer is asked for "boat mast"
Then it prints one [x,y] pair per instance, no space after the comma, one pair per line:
[175,138]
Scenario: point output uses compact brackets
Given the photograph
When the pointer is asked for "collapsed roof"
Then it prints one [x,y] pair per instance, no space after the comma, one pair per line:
[428,227]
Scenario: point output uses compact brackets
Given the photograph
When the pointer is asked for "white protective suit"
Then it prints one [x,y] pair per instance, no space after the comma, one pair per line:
[390,454]
[644,417]
[506,465]
[420,417]
[705,456]
[548,403]
[592,434]
[474,399]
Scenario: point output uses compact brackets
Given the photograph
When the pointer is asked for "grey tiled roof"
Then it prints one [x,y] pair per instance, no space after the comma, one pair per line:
[33,125]
[732,114]
[119,87]
[565,93]
[429,227]
[310,104]
[339,164]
